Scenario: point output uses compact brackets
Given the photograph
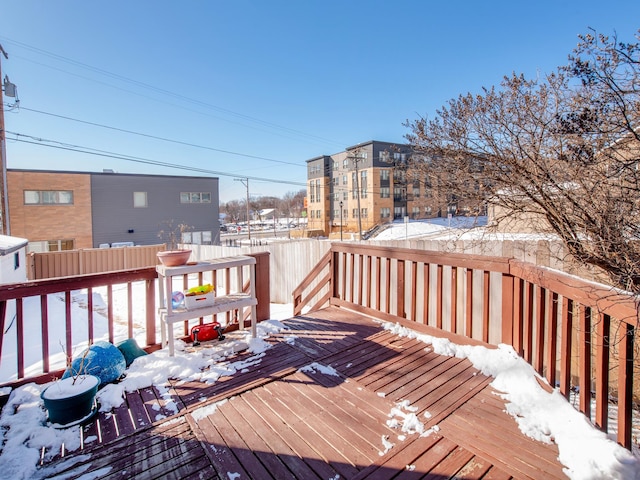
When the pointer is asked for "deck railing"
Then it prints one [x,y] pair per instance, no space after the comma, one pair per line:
[579,335]
[24,331]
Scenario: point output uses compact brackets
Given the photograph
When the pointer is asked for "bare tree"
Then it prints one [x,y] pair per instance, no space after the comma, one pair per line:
[235,210]
[291,204]
[562,149]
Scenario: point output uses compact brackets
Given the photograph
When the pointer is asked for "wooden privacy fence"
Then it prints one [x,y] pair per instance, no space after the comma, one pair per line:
[579,335]
[26,331]
[90,260]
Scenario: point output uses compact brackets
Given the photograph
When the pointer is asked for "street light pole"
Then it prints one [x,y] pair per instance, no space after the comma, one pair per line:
[340,220]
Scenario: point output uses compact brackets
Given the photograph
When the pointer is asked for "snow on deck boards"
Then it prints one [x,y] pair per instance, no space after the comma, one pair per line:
[318,405]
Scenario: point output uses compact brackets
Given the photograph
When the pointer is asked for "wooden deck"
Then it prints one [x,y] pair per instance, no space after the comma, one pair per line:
[278,420]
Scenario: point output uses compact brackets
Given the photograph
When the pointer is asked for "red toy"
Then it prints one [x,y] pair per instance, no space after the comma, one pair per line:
[206,332]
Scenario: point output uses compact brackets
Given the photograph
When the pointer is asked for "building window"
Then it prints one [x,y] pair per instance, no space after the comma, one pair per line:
[355,213]
[354,192]
[385,212]
[384,156]
[48,197]
[416,192]
[398,212]
[59,245]
[345,195]
[364,212]
[363,184]
[384,174]
[140,199]
[318,214]
[344,180]
[195,197]
[415,212]
[345,163]
[313,169]
[385,192]
[399,176]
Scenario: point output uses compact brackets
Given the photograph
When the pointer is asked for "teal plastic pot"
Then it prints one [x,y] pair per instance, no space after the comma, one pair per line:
[69,404]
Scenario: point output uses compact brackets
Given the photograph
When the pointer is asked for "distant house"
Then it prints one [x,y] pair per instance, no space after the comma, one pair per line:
[63,210]
[13,253]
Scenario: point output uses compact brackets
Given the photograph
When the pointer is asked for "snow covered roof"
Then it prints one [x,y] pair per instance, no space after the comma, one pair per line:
[11,244]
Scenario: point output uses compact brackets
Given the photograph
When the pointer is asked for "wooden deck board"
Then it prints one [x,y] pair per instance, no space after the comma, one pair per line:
[275,420]
[301,436]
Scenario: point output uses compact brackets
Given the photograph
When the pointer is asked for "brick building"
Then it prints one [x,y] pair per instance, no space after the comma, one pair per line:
[378,171]
[58,210]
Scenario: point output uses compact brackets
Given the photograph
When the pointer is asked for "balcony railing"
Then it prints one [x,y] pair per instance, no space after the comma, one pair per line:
[578,335]
[41,329]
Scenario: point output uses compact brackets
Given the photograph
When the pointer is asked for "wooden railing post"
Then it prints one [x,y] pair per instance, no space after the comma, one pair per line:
[263,290]
[400,307]
[584,369]
[541,310]
[334,268]
[602,371]
[625,387]
[566,342]
[552,340]
[508,307]
[150,311]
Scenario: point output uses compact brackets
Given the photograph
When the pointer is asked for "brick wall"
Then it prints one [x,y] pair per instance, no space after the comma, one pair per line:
[51,222]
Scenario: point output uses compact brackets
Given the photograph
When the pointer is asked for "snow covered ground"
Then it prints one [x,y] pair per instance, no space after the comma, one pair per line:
[399,230]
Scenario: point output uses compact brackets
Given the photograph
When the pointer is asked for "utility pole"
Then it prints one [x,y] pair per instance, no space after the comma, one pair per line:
[4,201]
[245,182]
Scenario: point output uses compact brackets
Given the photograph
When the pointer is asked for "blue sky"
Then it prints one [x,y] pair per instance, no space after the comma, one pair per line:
[284,81]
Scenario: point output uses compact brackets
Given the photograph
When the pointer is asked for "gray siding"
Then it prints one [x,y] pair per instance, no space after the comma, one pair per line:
[114,215]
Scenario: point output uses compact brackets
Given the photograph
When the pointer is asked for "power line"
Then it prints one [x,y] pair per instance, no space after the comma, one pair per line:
[155,137]
[129,158]
[169,93]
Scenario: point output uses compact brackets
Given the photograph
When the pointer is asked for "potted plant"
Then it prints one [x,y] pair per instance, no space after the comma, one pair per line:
[171,234]
[71,400]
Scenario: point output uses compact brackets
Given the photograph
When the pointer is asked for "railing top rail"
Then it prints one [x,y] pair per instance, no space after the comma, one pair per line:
[606,299]
[61,284]
[476,262]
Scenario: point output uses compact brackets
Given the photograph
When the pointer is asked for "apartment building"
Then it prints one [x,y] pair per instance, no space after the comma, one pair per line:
[63,210]
[365,185]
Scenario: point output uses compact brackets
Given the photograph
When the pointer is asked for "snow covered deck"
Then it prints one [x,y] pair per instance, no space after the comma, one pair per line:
[328,401]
